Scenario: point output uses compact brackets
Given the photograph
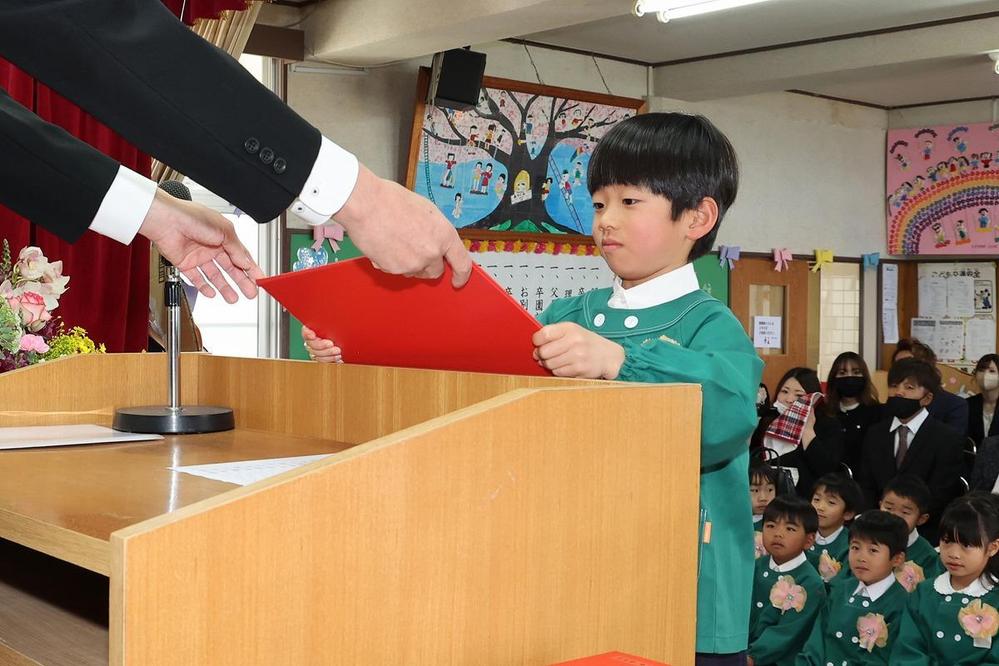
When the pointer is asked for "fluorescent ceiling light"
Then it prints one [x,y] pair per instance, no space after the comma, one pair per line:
[674,9]
[319,68]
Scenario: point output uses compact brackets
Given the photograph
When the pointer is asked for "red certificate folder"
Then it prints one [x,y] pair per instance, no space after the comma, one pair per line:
[382,319]
[611,659]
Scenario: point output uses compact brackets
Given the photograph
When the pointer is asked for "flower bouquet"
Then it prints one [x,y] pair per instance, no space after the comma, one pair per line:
[30,289]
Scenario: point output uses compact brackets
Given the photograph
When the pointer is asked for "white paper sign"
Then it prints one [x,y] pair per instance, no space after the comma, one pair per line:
[932,297]
[950,340]
[766,332]
[889,303]
[925,330]
[961,296]
[979,338]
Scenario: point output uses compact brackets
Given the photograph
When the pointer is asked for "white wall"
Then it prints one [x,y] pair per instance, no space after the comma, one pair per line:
[981,111]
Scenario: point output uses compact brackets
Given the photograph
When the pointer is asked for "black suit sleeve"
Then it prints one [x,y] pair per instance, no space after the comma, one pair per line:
[48,175]
[866,475]
[825,452]
[948,465]
[138,69]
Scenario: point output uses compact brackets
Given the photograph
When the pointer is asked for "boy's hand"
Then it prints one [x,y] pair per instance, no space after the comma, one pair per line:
[320,349]
[569,350]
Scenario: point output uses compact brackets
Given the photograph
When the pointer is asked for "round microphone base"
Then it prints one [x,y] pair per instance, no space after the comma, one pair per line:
[165,421]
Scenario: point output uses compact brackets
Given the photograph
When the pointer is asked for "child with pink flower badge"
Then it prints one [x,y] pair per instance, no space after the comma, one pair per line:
[908,497]
[953,619]
[860,621]
[837,499]
[787,591]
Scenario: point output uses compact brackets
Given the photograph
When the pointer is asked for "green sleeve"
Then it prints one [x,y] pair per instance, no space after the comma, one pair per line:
[912,646]
[814,653]
[781,641]
[722,360]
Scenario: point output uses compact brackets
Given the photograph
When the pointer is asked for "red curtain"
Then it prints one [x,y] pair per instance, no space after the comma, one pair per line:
[109,283]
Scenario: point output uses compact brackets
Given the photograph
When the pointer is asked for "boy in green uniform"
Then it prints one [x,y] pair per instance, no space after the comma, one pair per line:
[787,591]
[837,500]
[909,498]
[661,183]
[762,490]
[859,623]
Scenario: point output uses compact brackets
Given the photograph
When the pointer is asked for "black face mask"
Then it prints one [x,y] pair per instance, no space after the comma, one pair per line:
[901,407]
[849,387]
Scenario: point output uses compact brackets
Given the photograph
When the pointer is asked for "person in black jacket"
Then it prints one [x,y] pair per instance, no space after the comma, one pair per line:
[911,441]
[986,470]
[852,398]
[946,406]
[982,407]
[820,451]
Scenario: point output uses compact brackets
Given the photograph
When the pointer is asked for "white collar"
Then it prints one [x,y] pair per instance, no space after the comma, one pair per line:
[979,588]
[825,541]
[913,425]
[913,537]
[848,408]
[874,592]
[757,518]
[663,289]
[790,565]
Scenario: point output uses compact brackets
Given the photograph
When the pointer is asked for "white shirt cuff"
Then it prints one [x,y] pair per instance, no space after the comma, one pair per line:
[328,186]
[124,206]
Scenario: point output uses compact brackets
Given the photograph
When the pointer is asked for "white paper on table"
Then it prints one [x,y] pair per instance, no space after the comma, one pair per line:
[949,340]
[31,437]
[932,297]
[979,338]
[245,472]
[961,296]
[925,330]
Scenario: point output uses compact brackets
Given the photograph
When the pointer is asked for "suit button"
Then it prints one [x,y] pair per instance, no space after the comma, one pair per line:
[280,166]
[252,145]
[266,155]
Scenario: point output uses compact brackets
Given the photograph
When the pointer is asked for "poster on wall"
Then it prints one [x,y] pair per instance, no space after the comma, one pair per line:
[943,190]
[956,312]
[517,162]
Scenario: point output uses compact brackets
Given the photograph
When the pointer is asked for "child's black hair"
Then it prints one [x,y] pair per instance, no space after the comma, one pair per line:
[792,509]
[910,487]
[882,528]
[845,488]
[763,473]
[681,157]
[920,372]
[973,520]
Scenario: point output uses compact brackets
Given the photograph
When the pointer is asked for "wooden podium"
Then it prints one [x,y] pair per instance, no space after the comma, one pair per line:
[465,519]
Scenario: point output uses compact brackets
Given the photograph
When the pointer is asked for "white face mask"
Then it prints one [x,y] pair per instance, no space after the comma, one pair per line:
[989,381]
[780,407]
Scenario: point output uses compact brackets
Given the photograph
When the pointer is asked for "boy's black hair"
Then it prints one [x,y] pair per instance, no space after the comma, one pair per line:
[882,528]
[920,372]
[792,509]
[973,520]
[763,473]
[844,487]
[910,487]
[681,157]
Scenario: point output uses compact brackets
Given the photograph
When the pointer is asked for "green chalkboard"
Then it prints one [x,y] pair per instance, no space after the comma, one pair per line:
[713,276]
[297,240]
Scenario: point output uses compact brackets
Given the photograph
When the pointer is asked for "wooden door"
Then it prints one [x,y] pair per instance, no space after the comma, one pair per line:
[756,289]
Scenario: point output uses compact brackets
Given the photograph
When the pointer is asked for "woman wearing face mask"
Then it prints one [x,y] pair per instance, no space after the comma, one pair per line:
[982,407]
[820,449]
[852,399]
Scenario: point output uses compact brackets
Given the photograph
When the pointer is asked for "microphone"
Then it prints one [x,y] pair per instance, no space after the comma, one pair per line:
[176,189]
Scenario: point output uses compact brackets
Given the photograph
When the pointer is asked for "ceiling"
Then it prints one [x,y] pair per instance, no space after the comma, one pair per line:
[786,22]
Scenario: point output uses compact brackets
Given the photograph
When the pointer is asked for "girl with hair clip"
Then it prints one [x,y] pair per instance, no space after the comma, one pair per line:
[953,619]
[852,399]
[810,450]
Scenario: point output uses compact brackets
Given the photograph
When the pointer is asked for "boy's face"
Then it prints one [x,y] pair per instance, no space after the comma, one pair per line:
[904,508]
[761,493]
[872,562]
[908,388]
[636,233]
[831,509]
[786,540]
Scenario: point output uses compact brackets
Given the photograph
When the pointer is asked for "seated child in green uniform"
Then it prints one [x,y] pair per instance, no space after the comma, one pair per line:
[661,184]
[908,497]
[837,499]
[762,490]
[787,591]
[953,619]
[860,621]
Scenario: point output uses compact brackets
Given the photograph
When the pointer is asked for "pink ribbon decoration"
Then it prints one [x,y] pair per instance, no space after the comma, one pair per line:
[331,231]
[782,257]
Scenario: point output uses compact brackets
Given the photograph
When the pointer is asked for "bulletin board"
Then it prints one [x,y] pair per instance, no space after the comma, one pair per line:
[956,311]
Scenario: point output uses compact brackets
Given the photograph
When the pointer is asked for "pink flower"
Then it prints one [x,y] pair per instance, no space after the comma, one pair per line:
[31,263]
[785,595]
[872,631]
[909,575]
[828,566]
[33,343]
[33,312]
[980,621]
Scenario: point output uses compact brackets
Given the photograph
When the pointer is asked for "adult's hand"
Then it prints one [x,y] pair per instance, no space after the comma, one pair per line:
[401,232]
[202,244]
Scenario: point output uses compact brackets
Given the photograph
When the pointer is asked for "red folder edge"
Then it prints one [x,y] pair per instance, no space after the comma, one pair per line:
[391,320]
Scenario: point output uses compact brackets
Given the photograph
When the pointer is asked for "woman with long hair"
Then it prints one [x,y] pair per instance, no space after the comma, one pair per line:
[852,399]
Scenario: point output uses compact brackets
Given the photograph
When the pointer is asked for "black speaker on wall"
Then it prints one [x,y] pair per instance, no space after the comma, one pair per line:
[456,78]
